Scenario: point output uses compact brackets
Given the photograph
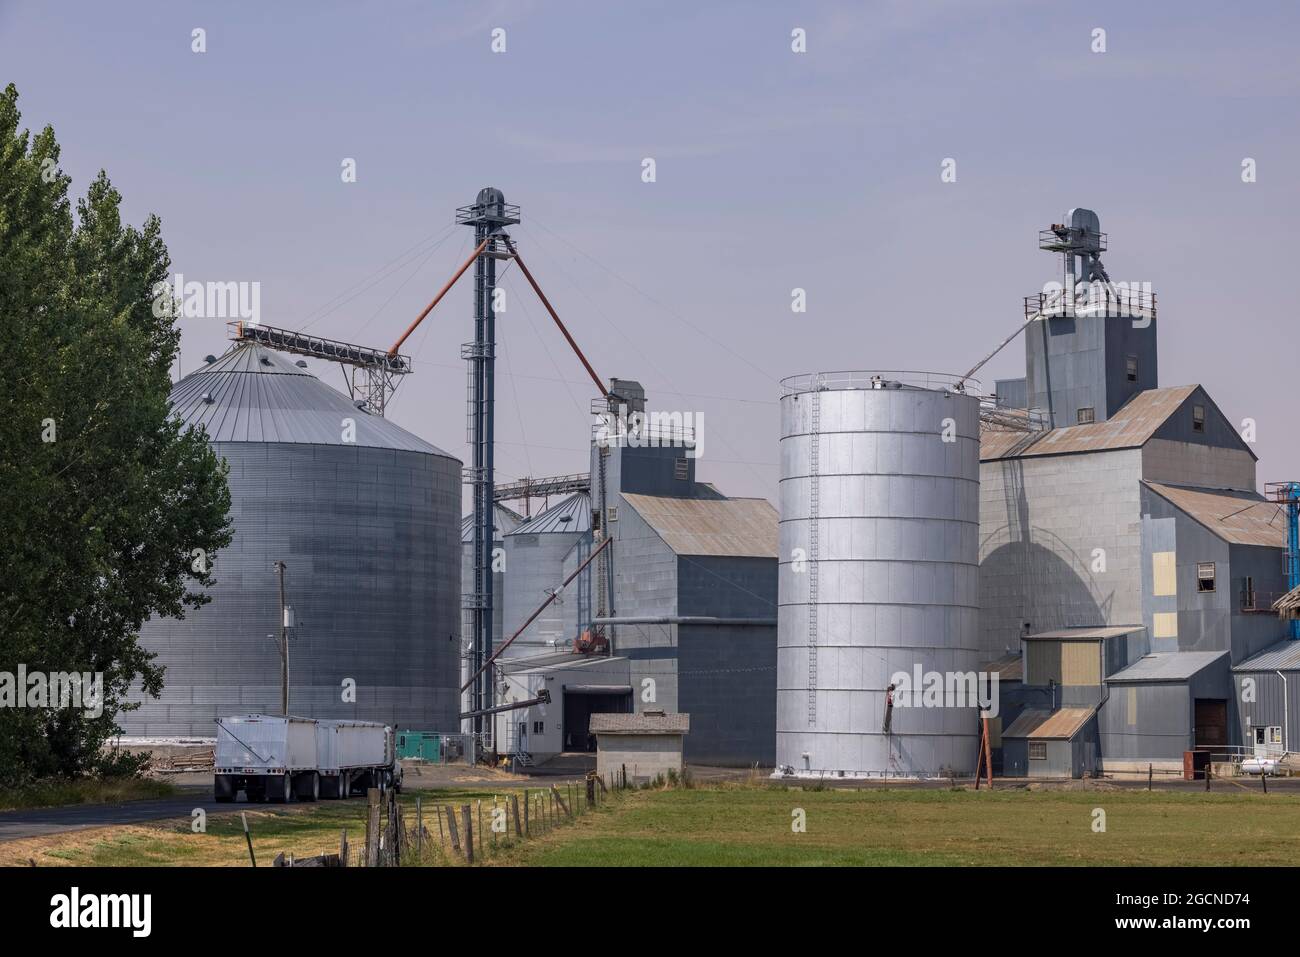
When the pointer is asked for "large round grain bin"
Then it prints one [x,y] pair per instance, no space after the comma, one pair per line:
[879,573]
[364,515]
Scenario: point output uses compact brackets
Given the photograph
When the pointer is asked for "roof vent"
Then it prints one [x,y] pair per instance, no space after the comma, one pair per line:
[207,397]
[301,363]
[209,359]
[266,360]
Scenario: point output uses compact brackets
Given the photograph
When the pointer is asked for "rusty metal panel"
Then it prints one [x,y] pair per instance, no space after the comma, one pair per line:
[1237,517]
[1131,427]
[739,527]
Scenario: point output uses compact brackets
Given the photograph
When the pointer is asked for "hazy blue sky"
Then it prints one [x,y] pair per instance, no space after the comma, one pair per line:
[774,170]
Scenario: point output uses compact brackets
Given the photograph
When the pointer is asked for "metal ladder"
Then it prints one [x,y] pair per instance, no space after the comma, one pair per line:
[814,514]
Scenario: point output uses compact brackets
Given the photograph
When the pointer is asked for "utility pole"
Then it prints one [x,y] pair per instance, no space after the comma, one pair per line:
[284,644]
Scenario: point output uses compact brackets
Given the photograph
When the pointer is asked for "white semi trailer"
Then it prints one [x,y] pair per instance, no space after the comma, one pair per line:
[276,758]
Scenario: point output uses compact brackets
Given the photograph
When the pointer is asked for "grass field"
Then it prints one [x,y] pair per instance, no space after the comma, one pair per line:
[84,791]
[751,825]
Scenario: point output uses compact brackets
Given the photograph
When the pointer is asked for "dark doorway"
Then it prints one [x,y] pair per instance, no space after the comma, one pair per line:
[1211,723]
[580,705]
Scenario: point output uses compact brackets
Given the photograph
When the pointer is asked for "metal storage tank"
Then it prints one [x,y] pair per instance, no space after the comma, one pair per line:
[365,517]
[504,521]
[879,571]
[539,555]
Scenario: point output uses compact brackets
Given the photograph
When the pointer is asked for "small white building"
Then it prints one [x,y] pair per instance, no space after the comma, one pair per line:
[648,745]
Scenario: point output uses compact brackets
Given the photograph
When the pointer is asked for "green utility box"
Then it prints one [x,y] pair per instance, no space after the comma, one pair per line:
[420,745]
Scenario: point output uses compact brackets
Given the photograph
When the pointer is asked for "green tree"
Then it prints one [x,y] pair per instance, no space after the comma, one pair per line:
[103,497]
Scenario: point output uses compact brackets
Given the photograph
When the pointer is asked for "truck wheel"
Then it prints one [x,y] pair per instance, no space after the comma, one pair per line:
[344,789]
[312,791]
[281,788]
[223,790]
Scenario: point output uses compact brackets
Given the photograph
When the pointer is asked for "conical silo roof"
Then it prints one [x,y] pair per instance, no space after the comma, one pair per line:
[504,521]
[255,394]
[573,514]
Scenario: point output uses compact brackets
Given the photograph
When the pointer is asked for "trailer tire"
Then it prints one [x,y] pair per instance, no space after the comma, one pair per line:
[223,788]
[280,788]
[310,790]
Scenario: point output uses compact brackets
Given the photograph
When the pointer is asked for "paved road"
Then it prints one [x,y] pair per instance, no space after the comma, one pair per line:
[36,822]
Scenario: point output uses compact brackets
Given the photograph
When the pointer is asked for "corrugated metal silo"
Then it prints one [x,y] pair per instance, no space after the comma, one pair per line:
[363,514]
[879,572]
[504,521]
[539,555]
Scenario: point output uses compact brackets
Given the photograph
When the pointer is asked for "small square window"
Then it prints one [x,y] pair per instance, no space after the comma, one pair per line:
[538,726]
[682,470]
[1087,415]
[1037,750]
[1205,576]
[1198,418]
[1131,368]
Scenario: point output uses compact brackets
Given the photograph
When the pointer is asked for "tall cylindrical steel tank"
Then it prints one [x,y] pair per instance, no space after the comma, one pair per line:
[879,575]
[365,517]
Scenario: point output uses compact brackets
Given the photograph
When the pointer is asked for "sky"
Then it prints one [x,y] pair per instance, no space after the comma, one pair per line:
[774,170]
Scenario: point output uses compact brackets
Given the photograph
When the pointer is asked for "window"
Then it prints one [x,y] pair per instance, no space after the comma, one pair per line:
[1131,368]
[1037,750]
[682,470]
[1198,418]
[1205,576]
[1087,415]
[612,512]
[538,726]
[1248,593]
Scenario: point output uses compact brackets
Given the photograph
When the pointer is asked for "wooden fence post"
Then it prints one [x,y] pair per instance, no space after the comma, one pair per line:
[343,847]
[559,799]
[467,820]
[372,827]
[514,803]
[451,829]
[419,828]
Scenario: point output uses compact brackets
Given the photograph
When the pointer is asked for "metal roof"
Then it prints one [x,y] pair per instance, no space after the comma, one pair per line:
[1288,606]
[1283,656]
[644,723]
[1064,723]
[1131,427]
[742,527]
[254,394]
[1167,666]
[553,661]
[504,521]
[572,514]
[1010,668]
[1242,518]
[1085,634]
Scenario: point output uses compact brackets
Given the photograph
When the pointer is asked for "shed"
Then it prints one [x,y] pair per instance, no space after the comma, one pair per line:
[1164,704]
[1267,685]
[643,746]
[1051,744]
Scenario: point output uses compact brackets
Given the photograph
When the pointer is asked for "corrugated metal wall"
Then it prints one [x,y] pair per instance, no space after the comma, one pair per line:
[371,542]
